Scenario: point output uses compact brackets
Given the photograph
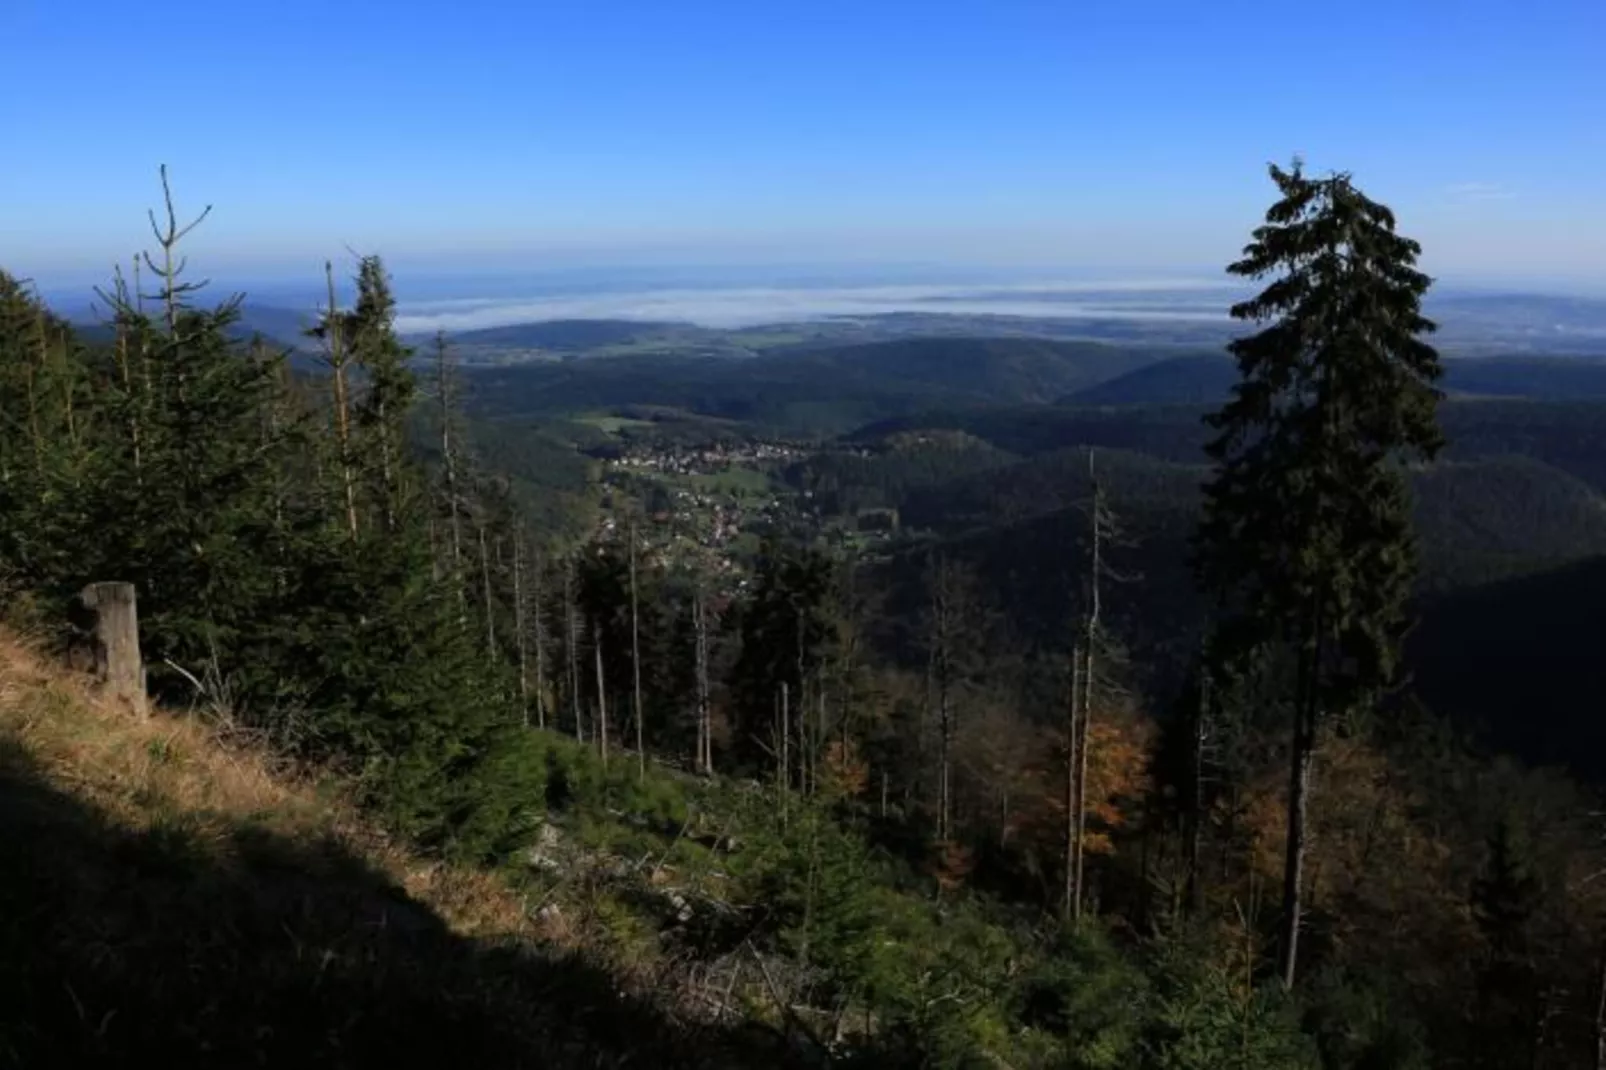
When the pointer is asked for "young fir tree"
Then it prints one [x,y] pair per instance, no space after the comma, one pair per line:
[1306,534]
[1505,900]
[191,523]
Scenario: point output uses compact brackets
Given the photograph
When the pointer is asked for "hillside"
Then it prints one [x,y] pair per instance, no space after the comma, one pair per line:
[1207,379]
[824,391]
[173,897]
[1189,380]
[1520,661]
[1006,370]
[1485,519]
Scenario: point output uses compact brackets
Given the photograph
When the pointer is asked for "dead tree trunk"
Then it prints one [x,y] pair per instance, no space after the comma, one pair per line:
[445,389]
[786,737]
[635,662]
[1193,891]
[941,669]
[115,611]
[1097,522]
[338,359]
[1072,719]
[490,606]
[538,627]
[705,727]
[136,402]
[1299,788]
[602,692]
[571,647]
[520,633]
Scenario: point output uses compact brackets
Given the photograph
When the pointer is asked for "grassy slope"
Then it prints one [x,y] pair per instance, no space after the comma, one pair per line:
[170,897]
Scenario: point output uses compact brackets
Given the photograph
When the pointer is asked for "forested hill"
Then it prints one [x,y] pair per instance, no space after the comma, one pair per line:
[811,392]
[1523,658]
[1207,379]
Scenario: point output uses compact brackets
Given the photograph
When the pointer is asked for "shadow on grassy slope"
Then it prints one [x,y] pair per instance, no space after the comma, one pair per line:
[174,945]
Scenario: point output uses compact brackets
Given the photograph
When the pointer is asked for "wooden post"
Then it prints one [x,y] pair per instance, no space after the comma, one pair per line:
[117,660]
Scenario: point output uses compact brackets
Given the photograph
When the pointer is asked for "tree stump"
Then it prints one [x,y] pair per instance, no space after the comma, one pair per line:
[116,641]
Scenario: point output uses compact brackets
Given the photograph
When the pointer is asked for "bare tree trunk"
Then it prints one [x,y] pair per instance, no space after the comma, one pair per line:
[942,680]
[705,728]
[520,636]
[817,746]
[1193,892]
[786,737]
[445,387]
[1082,747]
[1090,641]
[1072,719]
[337,364]
[434,547]
[35,432]
[571,647]
[490,606]
[635,660]
[602,692]
[1299,788]
[135,403]
[539,628]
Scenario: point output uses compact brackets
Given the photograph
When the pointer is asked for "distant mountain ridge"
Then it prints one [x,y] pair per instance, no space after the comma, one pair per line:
[283,327]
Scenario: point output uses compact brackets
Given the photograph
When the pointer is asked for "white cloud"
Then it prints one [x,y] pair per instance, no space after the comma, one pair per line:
[1177,299]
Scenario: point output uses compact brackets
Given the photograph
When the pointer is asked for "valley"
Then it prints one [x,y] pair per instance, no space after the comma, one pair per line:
[978,447]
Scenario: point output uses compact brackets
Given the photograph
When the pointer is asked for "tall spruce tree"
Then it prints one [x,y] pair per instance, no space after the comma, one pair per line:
[1306,535]
[390,389]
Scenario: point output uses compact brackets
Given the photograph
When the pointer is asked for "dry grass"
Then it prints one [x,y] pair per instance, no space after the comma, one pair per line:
[143,771]
[175,896]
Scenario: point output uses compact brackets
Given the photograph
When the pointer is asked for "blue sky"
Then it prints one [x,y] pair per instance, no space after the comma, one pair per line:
[1092,135]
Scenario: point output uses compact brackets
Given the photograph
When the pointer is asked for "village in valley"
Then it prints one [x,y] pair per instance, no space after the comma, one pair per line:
[710,505]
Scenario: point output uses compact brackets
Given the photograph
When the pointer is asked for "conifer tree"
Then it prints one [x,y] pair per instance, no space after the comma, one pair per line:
[389,386]
[1305,536]
[785,630]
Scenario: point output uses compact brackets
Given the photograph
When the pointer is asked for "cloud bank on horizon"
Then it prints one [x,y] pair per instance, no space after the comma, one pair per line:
[1187,300]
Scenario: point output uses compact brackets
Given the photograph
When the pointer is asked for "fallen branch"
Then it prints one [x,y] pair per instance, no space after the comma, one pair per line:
[792,1020]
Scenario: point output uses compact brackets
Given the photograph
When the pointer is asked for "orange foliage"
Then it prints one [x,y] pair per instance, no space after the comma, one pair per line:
[1371,864]
[1117,774]
[1117,771]
[845,773]
[951,865]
